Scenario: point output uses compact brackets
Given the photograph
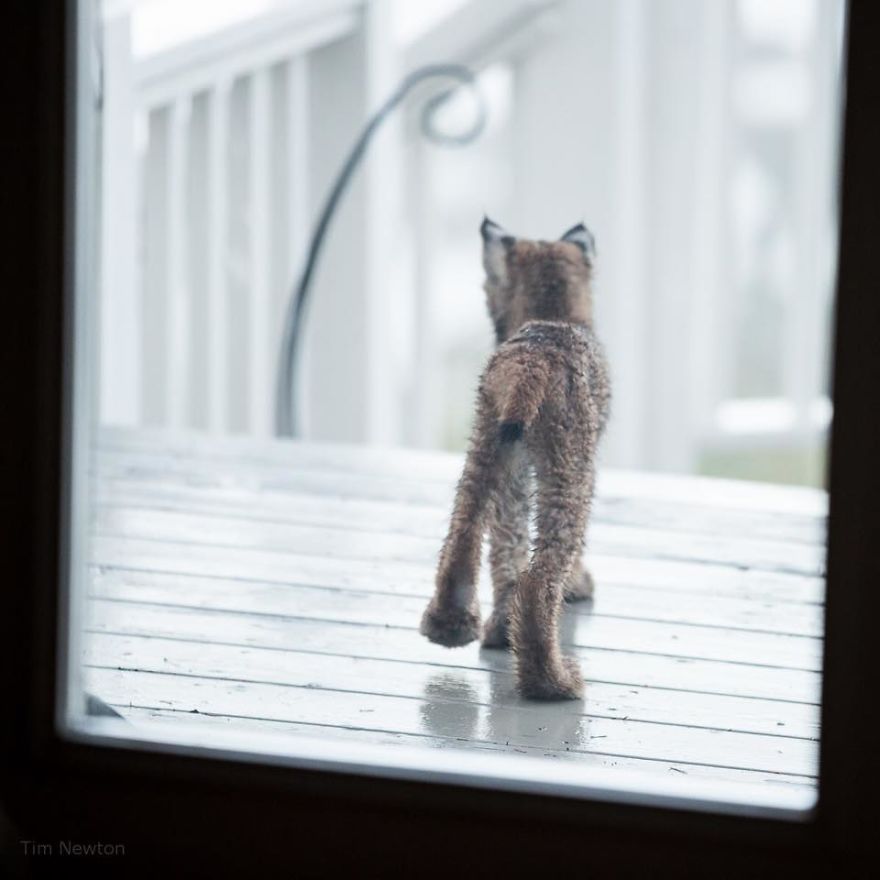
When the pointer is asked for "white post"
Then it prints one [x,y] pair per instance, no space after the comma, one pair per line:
[815,228]
[423,395]
[154,344]
[237,255]
[177,328]
[290,175]
[261,360]
[710,289]
[197,224]
[296,164]
[120,354]
[625,296]
[676,89]
[217,219]
[385,291]
[333,384]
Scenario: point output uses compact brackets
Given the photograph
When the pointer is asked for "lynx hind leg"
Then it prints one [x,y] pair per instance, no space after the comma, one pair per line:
[563,500]
[579,584]
[542,672]
[452,617]
[509,542]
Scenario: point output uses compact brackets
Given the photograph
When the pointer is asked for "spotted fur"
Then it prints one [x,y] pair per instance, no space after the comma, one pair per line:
[542,405]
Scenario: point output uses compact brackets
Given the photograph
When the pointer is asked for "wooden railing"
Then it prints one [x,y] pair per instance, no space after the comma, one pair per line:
[211,140]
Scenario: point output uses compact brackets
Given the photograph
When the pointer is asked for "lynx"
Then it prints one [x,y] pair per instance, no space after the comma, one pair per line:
[542,405]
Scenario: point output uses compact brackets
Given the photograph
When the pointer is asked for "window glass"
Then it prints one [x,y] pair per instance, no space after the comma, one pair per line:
[264,533]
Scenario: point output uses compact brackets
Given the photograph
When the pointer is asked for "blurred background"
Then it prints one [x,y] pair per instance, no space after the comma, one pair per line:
[698,140]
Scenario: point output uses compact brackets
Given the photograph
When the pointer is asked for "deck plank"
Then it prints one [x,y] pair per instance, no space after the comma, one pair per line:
[676,674]
[437,495]
[403,612]
[339,536]
[420,681]
[358,735]
[629,601]
[273,585]
[427,519]
[498,724]
[305,566]
[709,493]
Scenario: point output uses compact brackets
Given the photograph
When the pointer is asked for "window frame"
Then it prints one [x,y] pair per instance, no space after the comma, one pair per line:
[222,814]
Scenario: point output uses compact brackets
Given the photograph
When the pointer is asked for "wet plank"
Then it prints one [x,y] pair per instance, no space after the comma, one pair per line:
[358,735]
[709,494]
[306,567]
[612,599]
[514,726]
[675,674]
[404,612]
[272,585]
[340,537]
[201,493]
[424,682]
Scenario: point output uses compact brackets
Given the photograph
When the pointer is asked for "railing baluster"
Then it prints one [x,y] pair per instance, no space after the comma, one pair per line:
[177,377]
[155,294]
[289,192]
[814,230]
[217,219]
[120,313]
[237,251]
[200,295]
[259,354]
[297,160]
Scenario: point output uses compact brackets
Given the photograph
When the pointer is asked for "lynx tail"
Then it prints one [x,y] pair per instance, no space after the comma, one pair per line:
[520,398]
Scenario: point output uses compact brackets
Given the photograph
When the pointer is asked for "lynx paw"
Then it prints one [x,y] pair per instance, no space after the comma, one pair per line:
[563,684]
[451,627]
[579,587]
[496,631]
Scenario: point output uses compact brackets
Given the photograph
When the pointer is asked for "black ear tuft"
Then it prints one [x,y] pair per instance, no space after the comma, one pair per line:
[493,233]
[496,246]
[583,238]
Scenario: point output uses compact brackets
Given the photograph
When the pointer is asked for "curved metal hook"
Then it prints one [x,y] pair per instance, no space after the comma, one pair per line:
[285,399]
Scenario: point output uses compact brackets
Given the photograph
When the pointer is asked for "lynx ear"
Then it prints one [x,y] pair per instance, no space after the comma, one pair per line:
[496,244]
[583,238]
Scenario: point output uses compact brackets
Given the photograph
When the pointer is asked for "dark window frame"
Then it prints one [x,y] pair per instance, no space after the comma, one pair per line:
[223,815]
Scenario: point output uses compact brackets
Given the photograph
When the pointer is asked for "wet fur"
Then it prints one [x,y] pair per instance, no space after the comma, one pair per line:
[542,405]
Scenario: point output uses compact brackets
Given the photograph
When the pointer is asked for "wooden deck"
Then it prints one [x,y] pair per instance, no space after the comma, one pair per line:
[280,586]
